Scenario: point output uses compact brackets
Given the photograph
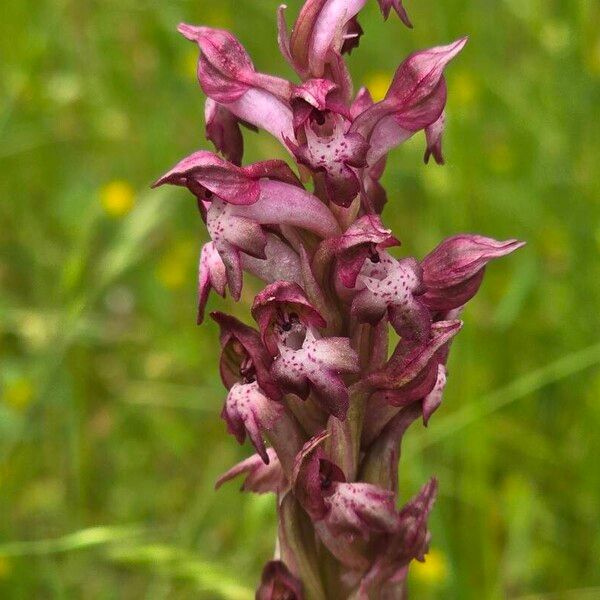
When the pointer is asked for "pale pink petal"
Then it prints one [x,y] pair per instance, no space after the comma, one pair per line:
[248,411]
[211,275]
[260,478]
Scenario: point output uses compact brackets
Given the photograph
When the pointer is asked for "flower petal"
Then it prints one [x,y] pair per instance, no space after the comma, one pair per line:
[318,366]
[365,235]
[277,583]
[387,5]
[316,33]
[223,130]
[360,509]
[206,170]
[410,541]
[281,262]
[393,286]
[211,275]
[261,478]
[453,272]
[283,204]
[248,411]
[433,134]
[241,343]
[408,361]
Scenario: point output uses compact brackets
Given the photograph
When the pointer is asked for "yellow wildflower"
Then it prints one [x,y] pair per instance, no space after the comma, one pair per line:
[189,63]
[378,84]
[173,268]
[18,393]
[592,57]
[501,158]
[117,198]
[434,570]
[464,88]
[5,567]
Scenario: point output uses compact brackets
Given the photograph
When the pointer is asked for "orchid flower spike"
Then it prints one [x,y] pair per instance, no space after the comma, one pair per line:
[314,387]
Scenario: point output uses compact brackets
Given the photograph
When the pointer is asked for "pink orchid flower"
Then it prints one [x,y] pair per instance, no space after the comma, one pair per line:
[315,388]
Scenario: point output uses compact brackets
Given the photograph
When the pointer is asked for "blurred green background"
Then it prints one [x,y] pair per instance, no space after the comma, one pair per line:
[110,437]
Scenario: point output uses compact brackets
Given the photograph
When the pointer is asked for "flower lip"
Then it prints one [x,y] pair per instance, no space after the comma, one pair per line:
[317,366]
[247,411]
[394,287]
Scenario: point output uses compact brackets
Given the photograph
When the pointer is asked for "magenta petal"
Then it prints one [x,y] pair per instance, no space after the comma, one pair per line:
[387,134]
[318,33]
[452,273]
[274,169]
[224,69]
[360,509]
[283,204]
[248,411]
[420,74]
[314,92]
[433,134]
[283,36]
[421,115]
[314,99]
[261,478]
[306,477]
[231,235]
[387,5]
[328,147]
[223,130]
[206,170]
[415,100]
[333,16]
[361,102]
[413,522]
[211,275]
[265,111]
[404,367]
[410,541]
[224,226]
[282,263]
[277,583]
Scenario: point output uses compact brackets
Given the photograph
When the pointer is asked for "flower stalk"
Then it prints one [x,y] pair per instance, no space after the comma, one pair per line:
[313,385]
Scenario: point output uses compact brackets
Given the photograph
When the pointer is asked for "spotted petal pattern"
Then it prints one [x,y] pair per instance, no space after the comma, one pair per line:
[318,367]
